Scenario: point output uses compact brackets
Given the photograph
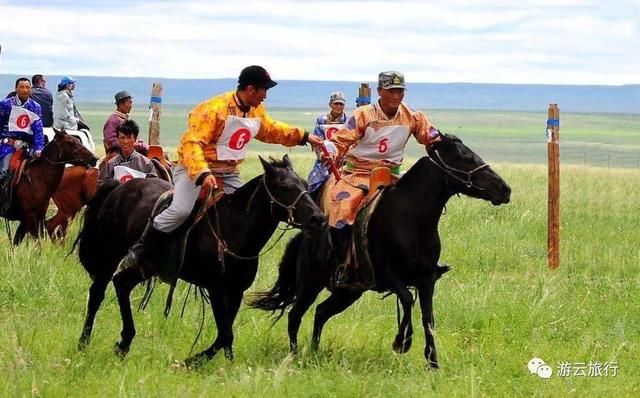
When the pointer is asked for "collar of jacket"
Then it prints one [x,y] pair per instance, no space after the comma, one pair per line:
[121,115]
[243,108]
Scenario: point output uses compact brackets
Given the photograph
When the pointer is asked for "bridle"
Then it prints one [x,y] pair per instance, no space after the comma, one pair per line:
[74,160]
[450,171]
[272,199]
[223,248]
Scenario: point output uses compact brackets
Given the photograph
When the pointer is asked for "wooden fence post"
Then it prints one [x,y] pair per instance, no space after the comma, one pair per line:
[154,114]
[553,223]
[364,94]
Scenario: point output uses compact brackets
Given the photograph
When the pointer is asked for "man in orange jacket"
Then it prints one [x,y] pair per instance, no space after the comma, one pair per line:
[214,144]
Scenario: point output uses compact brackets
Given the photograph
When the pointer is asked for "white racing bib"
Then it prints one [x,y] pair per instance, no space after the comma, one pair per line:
[124,173]
[387,143]
[329,129]
[237,133]
[21,120]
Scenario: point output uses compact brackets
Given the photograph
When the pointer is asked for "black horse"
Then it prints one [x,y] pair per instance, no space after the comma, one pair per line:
[240,224]
[403,244]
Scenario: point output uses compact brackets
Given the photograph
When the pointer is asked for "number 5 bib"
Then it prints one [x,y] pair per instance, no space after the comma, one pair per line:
[386,143]
[237,133]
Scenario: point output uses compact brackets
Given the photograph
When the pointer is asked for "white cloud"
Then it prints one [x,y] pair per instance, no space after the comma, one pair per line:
[545,41]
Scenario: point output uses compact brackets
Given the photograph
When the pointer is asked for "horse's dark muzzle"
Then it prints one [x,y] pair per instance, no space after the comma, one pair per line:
[505,191]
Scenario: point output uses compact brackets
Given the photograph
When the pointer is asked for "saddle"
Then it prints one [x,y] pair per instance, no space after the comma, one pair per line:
[358,262]
[172,256]
[168,260]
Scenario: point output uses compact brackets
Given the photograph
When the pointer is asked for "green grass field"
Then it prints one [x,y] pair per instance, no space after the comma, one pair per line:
[604,140]
[499,307]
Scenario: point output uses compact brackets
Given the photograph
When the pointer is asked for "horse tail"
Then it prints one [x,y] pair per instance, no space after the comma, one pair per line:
[283,293]
[88,239]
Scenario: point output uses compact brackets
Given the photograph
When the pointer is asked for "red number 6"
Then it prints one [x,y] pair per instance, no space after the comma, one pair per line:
[382,146]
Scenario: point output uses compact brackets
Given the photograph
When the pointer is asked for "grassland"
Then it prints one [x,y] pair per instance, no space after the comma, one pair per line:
[498,308]
[604,140]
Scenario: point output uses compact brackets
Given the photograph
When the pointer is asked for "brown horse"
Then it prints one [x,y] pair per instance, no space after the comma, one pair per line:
[77,187]
[40,179]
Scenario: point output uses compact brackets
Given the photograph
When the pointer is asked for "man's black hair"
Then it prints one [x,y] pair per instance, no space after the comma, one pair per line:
[129,127]
[22,79]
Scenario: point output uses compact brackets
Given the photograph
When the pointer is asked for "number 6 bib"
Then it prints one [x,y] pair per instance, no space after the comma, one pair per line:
[386,143]
[237,132]
[21,119]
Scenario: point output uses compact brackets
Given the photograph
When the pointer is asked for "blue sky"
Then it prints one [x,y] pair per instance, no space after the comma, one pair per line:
[492,41]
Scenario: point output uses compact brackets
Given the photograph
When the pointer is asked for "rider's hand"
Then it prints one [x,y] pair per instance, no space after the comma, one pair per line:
[209,184]
[37,154]
[314,140]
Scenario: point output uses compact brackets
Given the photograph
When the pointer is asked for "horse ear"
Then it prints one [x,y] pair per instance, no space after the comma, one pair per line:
[268,168]
[287,162]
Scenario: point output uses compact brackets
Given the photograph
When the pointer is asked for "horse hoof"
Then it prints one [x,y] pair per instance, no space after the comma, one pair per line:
[433,365]
[195,361]
[83,344]
[228,353]
[402,346]
[120,351]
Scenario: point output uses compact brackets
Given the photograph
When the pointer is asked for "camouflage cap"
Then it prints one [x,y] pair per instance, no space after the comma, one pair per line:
[391,79]
[337,97]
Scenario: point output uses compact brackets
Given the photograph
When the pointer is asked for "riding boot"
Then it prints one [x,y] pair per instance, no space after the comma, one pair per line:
[5,193]
[145,252]
[342,239]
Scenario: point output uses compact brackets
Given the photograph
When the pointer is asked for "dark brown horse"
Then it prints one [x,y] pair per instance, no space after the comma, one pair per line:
[40,179]
[403,244]
[222,250]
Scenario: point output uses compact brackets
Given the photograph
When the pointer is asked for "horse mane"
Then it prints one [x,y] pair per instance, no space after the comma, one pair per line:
[424,160]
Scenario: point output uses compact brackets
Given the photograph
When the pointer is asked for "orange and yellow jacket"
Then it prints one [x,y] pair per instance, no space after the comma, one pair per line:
[371,115]
[197,149]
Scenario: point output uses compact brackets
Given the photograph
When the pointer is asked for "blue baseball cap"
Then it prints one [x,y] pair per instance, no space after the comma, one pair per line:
[67,80]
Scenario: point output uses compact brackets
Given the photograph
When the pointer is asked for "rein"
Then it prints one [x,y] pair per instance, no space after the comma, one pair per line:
[56,162]
[451,170]
[223,248]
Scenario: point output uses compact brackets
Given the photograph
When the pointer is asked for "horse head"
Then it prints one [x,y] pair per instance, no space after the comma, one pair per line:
[466,172]
[290,199]
[65,148]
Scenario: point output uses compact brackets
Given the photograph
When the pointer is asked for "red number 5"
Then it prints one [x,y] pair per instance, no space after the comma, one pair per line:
[382,146]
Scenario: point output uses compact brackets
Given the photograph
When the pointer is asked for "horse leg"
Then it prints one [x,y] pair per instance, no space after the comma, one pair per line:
[21,231]
[96,296]
[425,293]
[305,296]
[124,282]
[224,339]
[404,338]
[339,301]
[57,226]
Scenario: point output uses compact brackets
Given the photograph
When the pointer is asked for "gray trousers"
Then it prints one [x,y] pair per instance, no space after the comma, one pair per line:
[185,194]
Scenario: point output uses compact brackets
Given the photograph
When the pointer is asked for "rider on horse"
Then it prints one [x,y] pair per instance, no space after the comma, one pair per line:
[213,146]
[374,136]
[20,125]
[127,136]
[326,125]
